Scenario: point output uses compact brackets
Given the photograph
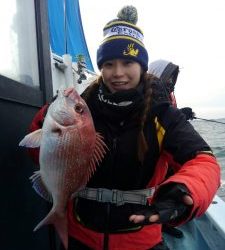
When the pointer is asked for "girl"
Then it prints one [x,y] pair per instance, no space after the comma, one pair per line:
[129,195]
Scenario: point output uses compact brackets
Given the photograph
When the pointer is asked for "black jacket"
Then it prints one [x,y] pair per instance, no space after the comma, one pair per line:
[166,128]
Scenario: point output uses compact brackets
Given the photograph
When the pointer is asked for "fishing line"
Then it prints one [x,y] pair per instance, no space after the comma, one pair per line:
[65,25]
[208,120]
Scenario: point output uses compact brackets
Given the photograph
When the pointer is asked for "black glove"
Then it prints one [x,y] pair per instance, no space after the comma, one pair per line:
[168,205]
[190,115]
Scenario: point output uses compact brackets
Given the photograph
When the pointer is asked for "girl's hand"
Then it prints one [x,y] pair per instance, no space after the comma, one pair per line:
[171,203]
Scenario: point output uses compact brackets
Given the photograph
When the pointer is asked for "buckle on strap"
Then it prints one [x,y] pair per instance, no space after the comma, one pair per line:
[107,195]
[116,196]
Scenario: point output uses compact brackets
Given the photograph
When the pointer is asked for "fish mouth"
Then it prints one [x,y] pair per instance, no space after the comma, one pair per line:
[72,95]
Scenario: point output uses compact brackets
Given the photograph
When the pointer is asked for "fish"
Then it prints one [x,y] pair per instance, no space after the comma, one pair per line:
[70,151]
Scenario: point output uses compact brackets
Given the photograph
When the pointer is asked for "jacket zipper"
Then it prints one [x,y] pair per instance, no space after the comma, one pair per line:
[106,234]
[114,145]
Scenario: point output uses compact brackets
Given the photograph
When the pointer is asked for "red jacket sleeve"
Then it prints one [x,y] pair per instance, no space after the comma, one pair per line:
[201,176]
[36,124]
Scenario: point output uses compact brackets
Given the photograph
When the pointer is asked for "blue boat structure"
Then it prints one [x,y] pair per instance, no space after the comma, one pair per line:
[206,232]
[43,48]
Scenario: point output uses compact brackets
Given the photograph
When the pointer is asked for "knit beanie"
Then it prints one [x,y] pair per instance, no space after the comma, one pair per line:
[123,39]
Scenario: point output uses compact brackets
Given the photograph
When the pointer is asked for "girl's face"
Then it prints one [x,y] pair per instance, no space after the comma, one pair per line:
[120,74]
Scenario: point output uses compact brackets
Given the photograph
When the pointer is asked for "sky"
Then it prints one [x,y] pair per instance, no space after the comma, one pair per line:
[189,33]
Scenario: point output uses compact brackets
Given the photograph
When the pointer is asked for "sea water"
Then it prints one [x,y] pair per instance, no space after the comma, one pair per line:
[213,132]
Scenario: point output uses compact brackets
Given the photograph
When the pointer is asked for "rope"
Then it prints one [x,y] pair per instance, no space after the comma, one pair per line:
[208,120]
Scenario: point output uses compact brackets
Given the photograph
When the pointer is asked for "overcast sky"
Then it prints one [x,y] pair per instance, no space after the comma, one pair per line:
[189,33]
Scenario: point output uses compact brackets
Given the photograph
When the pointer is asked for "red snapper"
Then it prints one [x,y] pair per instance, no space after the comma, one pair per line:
[70,149]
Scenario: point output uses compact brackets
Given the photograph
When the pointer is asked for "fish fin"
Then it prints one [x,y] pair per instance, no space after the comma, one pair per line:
[39,186]
[32,140]
[60,223]
[100,145]
[99,151]
[98,155]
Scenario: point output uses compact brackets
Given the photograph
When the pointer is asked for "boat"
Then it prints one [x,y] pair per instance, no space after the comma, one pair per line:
[36,62]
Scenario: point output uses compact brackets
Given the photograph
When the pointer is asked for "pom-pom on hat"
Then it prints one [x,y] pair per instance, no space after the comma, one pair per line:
[123,39]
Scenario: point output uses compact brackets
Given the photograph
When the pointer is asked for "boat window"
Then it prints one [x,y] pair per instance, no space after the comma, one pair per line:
[18,45]
[25,64]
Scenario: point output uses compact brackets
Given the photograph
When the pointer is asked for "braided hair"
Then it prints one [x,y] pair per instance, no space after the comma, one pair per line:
[147,80]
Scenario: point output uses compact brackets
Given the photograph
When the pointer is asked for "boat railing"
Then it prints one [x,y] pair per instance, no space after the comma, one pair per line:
[216,215]
[65,74]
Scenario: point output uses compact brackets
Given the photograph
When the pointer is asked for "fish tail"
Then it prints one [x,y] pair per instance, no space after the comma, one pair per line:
[60,223]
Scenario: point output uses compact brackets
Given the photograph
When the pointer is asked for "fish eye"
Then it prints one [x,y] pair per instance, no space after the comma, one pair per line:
[79,108]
